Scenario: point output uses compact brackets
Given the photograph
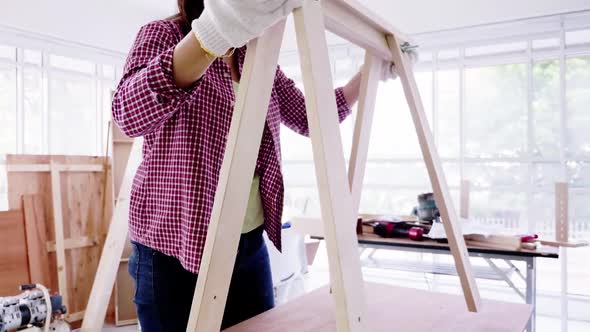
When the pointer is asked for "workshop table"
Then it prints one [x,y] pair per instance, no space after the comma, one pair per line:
[314,228]
[434,247]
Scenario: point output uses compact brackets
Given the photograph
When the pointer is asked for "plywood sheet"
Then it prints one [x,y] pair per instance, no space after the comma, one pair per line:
[86,212]
[13,256]
[124,292]
[36,233]
[390,309]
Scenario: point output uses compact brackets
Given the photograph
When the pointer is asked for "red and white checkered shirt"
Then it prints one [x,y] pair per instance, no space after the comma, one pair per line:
[185,132]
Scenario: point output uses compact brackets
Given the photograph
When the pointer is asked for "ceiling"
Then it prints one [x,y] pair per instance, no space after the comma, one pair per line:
[113,24]
[430,15]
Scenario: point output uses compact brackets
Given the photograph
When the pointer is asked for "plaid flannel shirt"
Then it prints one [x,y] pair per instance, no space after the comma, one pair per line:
[185,131]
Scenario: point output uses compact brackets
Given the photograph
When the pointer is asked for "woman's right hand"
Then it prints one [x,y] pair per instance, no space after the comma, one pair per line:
[232,23]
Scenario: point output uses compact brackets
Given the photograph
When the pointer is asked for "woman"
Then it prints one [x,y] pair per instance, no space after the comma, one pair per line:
[178,92]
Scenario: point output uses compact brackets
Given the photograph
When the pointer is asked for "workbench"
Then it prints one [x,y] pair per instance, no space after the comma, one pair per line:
[368,242]
[372,241]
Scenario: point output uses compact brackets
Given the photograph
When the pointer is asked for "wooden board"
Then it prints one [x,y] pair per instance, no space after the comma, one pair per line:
[124,291]
[36,232]
[390,309]
[125,313]
[83,214]
[436,174]
[362,126]
[336,200]
[110,258]
[235,179]
[13,256]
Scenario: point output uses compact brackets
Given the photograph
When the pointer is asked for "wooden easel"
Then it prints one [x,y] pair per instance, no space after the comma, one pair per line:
[339,190]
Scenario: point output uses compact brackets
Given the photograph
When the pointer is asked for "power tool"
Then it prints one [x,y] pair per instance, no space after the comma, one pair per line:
[34,310]
[426,209]
[398,229]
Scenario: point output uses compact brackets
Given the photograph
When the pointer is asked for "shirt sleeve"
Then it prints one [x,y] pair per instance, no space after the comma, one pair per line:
[147,94]
[292,104]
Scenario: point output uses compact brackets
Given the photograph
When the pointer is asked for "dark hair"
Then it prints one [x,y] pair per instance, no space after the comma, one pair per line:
[188,10]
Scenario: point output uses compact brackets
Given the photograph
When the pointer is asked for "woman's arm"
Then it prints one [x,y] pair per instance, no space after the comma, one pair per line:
[158,78]
[352,88]
[189,61]
[292,102]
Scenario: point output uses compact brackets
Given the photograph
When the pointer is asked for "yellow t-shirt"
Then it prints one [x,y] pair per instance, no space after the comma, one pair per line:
[254,213]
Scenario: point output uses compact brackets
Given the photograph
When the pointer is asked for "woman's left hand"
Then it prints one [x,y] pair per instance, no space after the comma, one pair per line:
[389,71]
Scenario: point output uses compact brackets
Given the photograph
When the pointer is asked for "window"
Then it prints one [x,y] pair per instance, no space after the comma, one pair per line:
[34,133]
[448,117]
[71,64]
[578,101]
[545,110]
[58,106]
[7,52]
[8,134]
[495,115]
[72,115]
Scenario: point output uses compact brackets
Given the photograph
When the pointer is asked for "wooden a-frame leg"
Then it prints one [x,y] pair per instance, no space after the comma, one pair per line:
[334,189]
[60,250]
[113,249]
[436,174]
[362,127]
[235,179]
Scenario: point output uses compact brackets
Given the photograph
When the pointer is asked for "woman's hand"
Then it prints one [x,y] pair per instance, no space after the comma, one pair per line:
[389,71]
[232,23]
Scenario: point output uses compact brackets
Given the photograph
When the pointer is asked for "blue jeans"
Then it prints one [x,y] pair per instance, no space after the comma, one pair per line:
[164,289]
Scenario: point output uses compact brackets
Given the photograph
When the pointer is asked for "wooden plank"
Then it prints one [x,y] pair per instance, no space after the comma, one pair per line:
[235,179]
[391,308]
[121,150]
[75,243]
[334,188]
[125,313]
[13,256]
[561,212]
[569,244]
[124,291]
[36,233]
[464,204]
[362,126]
[355,23]
[502,241]
[58,224]
[106,273]
[436,174]
[60,168]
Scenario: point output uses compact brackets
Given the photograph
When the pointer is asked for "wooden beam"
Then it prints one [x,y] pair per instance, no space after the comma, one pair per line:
[62,277]
[235,180]
[106,273]
[561,212]
[36,233]
[436,174]
[464,193]
[334,188]
[355,23]
[362,126]
[74,243]
[58,167]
